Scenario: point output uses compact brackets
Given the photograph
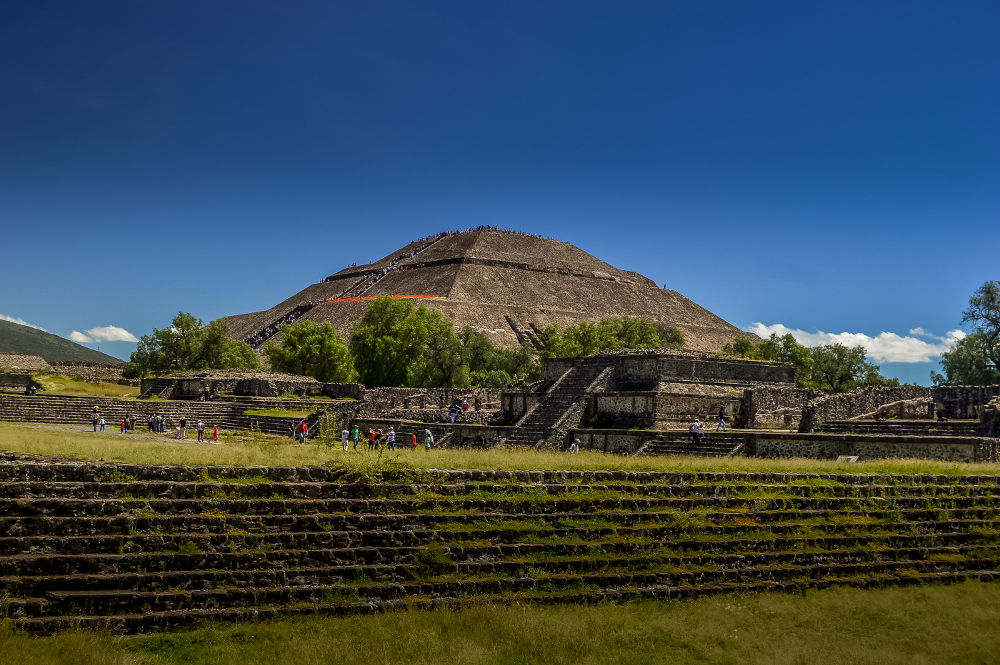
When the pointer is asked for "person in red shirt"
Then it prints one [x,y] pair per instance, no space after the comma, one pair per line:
[303,430]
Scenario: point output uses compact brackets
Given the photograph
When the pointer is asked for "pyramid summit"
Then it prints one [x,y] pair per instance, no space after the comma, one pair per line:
[506,284]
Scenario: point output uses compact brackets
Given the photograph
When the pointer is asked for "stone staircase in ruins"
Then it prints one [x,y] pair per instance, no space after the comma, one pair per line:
[357,289]
[566,395]
[134,549]
[712,444]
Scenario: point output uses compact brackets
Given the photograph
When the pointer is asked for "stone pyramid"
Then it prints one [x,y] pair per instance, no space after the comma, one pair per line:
[507,284]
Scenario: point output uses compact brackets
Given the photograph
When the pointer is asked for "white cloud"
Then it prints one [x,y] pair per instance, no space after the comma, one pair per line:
[14,319]
[111,334]
[886,347]
[102,334]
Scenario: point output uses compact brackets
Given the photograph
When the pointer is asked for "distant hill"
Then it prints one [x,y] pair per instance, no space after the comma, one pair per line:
[15,338]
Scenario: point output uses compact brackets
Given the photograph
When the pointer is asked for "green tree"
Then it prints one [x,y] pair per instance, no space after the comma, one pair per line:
[776,349]
[838,368]
[390,343]
[983,315]
[188,344]
[966,364]
[312,349]
[587,338]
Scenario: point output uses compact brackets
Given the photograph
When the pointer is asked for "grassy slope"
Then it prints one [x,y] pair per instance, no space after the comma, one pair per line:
[145,448]
[66,385]
[15,338]
[938,624]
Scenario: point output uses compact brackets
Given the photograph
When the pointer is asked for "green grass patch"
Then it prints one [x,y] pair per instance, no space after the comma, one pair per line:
[250,449]
[953,624]
[62,384]
[280,413]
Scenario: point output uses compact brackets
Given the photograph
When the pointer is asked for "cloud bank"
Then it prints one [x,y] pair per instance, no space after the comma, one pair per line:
[103,334]
[14,319]
[917,346]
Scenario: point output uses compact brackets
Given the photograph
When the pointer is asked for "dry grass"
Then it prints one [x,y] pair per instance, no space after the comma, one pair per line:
[62,384]
[911,626]
[141,447]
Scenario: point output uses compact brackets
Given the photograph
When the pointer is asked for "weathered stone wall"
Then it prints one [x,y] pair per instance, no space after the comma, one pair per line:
[645,370]
[826,446]
[516,404]
[17,381]
[989,419]
[844,406]
[377,401]
[92,371]
[774,406]
[445,435]
[962,401]
[618,442]
[651,409]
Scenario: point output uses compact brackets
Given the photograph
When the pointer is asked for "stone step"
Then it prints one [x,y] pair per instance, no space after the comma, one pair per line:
[213,521]
[152,621]
[109,602]
[142,541]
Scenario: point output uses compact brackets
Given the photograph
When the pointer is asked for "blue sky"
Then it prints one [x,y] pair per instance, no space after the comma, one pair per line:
[828,168]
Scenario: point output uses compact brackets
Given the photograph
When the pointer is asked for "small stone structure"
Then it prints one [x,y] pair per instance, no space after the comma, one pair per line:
[20,361]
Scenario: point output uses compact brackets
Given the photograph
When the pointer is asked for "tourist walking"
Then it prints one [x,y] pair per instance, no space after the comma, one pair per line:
[355,436]
[344,436]
[392,439]
[102,424]
[696,433]
[215,435]
[413,440]
[453,411]
[575,447]
[201,430]
[291,429]
[303,431]
[95,416]
[722,419]
[184,428]
[428,439]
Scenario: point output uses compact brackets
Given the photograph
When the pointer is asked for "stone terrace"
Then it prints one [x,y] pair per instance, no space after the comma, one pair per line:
[136,549]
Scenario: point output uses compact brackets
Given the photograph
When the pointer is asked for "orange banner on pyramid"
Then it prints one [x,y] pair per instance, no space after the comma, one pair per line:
[421,296]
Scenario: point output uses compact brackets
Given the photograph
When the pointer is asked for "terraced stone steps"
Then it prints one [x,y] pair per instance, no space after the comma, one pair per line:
[907,427]
[132,548]
[712,444]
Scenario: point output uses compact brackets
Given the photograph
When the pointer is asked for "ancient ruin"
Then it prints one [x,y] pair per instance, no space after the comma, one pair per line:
[507,285]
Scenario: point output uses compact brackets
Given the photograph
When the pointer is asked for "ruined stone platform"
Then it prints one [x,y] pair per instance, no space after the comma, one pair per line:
[131,548]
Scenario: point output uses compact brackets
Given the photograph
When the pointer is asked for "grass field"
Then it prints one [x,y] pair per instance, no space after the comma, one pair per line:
[67,385]
[258,449]
[913,626]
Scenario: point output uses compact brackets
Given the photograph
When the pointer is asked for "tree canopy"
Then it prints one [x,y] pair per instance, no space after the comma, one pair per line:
[312,349]
[587,338]
[833,368]
[188,344]
[975,359]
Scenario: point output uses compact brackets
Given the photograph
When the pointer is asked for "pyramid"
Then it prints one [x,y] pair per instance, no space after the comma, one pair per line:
[506,284]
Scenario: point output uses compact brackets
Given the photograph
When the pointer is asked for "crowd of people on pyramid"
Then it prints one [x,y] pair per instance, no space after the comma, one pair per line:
[257,338]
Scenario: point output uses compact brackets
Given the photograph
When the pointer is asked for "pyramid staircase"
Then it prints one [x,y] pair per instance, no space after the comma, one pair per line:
[135,549]
[568,391]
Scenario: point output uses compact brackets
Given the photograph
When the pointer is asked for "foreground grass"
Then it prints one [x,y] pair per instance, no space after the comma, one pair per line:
[68,385]
[262,450]
[915,625]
